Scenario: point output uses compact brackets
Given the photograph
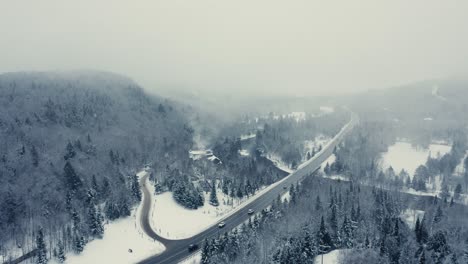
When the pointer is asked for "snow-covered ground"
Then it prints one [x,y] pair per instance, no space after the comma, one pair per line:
[460,169]
[191,222]
[248,136]
[403,156]
[279,163]
[244,152]
[119,236]
[310,145]
[332,257]
[410,216]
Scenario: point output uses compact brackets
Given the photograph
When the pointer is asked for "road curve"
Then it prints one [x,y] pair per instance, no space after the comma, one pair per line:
[177,250]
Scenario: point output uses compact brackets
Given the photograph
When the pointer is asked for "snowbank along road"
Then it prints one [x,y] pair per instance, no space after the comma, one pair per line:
[177,250]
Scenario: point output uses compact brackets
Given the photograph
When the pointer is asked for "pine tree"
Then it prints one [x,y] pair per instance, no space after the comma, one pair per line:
[292,194]
[318,204]
[213,196]
[417,230]
[323,238]
[438,215]
[41,248]
[347,233]
[61,252]
[205,252]
[34,156]
[458,191]
[136,192]
[72,179]
[69,151]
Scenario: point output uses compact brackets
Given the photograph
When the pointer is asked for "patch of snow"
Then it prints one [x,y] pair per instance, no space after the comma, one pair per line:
[298,116]
[329,160]
[166,209]
[332,257]
[402,155]
[285,197]
[119,238]
[279,163]
[327,109]
[410,216]
[435,92]
[309,145]
[460,169]
[244,152]
[249,136]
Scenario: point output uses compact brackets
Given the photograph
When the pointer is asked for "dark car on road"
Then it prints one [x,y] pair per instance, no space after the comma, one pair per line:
[192,247]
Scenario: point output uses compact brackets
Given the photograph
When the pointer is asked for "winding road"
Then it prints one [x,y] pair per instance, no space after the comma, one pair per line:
[177,250]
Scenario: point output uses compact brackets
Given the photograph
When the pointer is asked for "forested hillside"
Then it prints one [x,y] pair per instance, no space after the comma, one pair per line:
[70,144]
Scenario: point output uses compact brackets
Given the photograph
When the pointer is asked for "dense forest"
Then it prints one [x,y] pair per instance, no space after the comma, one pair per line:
[322,215]
[70,147]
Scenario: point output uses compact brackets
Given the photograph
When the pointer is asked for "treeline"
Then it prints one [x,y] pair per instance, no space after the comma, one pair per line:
[243,175]
[70,145]
[286,137]
[323,215]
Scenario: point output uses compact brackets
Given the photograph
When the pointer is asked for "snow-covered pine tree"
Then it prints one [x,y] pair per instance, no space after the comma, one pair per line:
[135,186]
[61,252]
[41,255]
[213,196]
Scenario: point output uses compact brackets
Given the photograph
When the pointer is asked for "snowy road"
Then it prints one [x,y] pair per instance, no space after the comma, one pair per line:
[177,250]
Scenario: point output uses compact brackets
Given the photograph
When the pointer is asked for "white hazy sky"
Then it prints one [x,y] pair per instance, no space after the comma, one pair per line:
[282,47]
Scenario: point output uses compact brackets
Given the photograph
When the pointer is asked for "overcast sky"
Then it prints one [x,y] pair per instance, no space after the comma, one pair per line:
[280,47]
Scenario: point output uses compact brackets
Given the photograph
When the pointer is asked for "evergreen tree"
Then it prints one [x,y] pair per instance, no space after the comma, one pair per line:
[72,180]
[225,187]
[205,252]
[318,204]
[213,196]
[417,230]
[78,243]
[458,191]
[136,192]
[347,233]
[69,151]
[292,194]
[444,194]
[34,156]
[438,215]
[41,255]
[61,252]
[323,238]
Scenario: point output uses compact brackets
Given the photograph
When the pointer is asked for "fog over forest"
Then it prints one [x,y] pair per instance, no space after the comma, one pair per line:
[243,132]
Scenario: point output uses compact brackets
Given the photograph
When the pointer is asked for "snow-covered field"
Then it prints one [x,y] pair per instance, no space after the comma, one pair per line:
[310,145]
[403,156]
[279,163]
[120,237]
[410,216]
[332,257]
[191,222]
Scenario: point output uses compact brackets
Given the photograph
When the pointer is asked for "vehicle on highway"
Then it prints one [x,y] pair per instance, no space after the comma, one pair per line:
[221,225]
[250,211]
[192,247]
